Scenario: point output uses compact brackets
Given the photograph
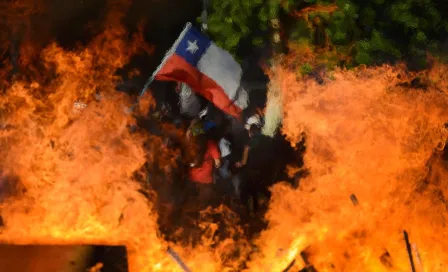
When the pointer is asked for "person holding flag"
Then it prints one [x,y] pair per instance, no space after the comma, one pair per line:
[208,70]
[213,74]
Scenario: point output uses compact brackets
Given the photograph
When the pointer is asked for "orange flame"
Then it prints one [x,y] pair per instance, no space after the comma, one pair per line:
[76,163]
[369,136]
[68,160]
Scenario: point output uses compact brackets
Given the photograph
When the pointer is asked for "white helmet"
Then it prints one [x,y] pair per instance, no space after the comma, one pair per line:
[253,120]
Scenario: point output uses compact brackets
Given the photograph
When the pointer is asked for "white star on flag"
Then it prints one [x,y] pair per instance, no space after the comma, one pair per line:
[210,71]
[192,47]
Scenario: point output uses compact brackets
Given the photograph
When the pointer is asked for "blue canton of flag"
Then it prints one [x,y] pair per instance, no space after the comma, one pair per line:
[208,70]
[192,46]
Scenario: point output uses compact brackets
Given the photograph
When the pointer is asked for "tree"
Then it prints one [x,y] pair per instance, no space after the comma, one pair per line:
[339,32]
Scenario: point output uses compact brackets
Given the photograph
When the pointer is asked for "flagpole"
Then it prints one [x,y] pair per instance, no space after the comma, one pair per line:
[143,91]
[204,14]
[167,55]
[204,27]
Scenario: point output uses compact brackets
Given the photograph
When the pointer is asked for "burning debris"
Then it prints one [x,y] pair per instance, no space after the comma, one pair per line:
[104,177]
[418,261]
[96,268]
[354,200]
[308,266]
[386,260]
[409,249]
[79,105]
[178,260]
[365,134]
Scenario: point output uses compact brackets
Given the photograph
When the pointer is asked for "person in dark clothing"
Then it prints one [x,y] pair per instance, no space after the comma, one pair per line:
[223,177]
[254,149]
[254,167]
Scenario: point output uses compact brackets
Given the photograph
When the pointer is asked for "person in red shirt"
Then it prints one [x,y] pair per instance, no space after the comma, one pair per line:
[201,177]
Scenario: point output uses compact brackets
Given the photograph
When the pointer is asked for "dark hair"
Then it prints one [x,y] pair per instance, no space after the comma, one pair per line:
[254,129]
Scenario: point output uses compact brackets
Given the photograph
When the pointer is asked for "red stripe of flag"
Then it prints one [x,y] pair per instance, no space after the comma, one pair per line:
[177,68]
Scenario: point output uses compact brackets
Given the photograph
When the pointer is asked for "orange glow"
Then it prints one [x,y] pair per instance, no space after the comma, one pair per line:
[68,158]
[366,136]
[66,141]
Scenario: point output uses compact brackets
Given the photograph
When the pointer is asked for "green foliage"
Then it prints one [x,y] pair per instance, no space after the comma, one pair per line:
[361,32]
[306,69]
[232,21]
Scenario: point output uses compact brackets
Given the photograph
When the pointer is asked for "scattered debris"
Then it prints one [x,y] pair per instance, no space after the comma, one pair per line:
[354,200]
[418,260]
[177,259]
[79,105]
[98,96]
[289,266]
[408,248]
[120,219]
[96,268]
[386,259]
[308,266]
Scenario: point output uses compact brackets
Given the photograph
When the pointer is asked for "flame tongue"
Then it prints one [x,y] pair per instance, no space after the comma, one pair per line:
[366,135]
[69,167]
[68,161]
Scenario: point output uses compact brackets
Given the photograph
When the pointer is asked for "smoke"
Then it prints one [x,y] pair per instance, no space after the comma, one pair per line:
[274,107]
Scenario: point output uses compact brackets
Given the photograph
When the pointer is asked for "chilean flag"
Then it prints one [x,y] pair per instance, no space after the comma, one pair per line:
[209,70]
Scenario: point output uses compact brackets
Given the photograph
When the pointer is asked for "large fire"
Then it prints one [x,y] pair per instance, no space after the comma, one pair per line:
[68,160]
[374,154]
[69,157]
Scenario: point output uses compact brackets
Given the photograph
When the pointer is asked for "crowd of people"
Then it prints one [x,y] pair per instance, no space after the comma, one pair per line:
[221,161]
